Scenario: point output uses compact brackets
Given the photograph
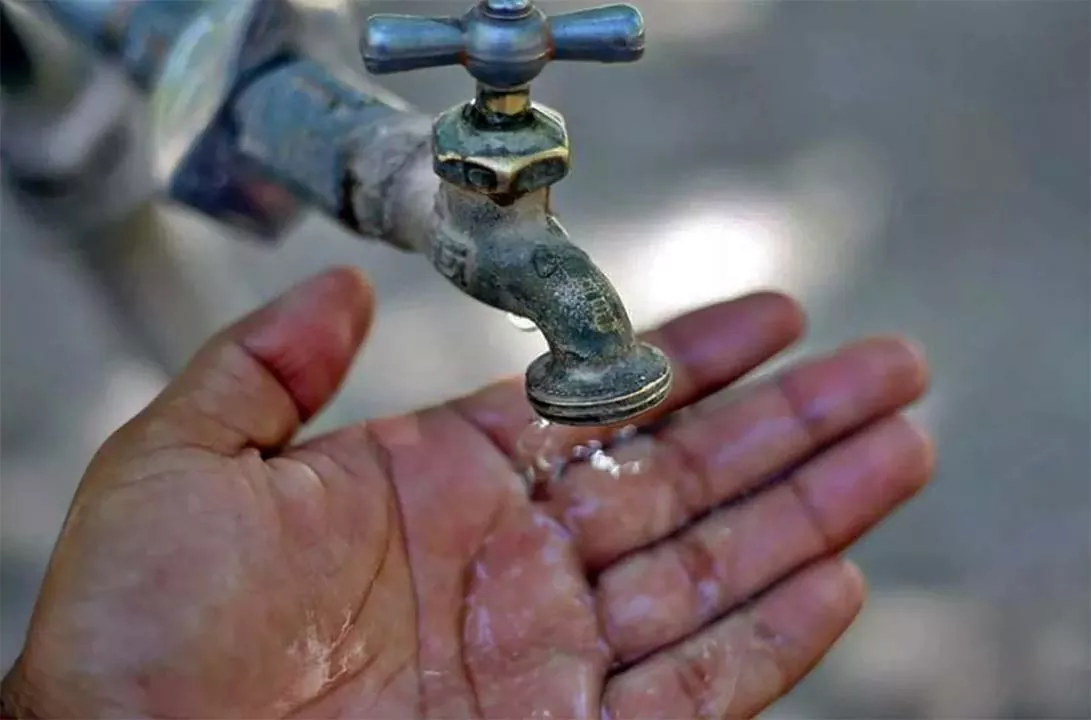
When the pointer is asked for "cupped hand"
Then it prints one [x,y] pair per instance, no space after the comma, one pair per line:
[209,567]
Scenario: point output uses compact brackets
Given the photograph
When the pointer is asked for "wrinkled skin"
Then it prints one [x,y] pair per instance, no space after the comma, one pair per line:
[211,568]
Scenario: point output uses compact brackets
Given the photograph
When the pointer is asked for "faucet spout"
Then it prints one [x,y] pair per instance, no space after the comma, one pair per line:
[518,258]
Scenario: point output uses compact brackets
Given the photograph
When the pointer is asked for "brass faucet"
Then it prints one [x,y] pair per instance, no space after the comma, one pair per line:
[497,156]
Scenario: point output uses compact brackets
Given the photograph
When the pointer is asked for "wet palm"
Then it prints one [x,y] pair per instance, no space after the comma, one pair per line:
[397,569]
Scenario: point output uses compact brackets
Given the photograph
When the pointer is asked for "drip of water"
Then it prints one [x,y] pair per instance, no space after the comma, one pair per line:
[539,453]
[522,323]
[545,450]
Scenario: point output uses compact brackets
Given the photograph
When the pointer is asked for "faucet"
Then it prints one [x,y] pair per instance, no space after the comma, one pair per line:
[251,125]
[496,237]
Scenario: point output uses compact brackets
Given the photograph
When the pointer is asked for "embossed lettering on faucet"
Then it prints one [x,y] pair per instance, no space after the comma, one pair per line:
[601,311]
[452,259]
[602,314]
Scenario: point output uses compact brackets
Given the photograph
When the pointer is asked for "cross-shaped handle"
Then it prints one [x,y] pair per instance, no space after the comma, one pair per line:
[503,43]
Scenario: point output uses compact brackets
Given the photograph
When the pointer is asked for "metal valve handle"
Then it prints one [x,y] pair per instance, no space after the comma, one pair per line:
[504,44]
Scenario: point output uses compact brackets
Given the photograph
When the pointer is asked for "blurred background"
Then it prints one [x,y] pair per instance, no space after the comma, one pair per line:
[919,167]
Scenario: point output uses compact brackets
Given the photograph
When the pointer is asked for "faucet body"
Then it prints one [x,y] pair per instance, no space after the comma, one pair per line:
[517,257]
[498,156]
[250,125]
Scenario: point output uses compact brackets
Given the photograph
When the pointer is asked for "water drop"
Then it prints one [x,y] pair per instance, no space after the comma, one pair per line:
[540,453]
[521,323]
[626,433]
[545,451]
[605,463]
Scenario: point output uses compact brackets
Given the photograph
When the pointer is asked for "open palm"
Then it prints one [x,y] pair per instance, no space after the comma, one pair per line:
[397,568]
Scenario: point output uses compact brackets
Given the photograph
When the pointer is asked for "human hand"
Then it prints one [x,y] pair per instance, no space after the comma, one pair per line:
[209,567]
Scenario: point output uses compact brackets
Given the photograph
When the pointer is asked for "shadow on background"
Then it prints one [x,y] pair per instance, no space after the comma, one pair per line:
[911,167]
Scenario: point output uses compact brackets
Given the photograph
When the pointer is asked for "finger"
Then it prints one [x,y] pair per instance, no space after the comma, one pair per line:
[708,348]
[656,597]
[713,455]
[257,381]
[737,667]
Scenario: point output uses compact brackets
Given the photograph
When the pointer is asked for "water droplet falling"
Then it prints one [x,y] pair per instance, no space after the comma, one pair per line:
[545,450]
[521,323]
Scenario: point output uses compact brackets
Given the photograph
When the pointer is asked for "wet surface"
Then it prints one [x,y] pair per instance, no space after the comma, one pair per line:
[913,167]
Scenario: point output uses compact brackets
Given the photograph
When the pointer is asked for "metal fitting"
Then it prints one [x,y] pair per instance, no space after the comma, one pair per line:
[529,154]
[500,144]
[197,159]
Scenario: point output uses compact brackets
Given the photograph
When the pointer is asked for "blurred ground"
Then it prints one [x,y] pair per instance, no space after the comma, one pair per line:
[916,167]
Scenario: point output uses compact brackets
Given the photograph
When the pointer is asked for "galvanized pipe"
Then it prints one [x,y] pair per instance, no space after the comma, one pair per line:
[137,34]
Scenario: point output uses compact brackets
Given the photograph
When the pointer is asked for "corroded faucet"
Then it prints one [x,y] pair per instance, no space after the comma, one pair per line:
[252,121]
[498,155]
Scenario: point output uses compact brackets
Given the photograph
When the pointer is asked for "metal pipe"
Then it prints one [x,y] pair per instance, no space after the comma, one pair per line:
[75,156]
[138,34]
[303,126]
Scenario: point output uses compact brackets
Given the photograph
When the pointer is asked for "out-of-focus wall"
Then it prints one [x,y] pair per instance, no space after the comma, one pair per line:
[916,167]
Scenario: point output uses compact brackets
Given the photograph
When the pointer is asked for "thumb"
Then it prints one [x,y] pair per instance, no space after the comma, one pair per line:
[256,382]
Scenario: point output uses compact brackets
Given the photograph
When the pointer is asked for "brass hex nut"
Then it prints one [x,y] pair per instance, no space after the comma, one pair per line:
[506,163]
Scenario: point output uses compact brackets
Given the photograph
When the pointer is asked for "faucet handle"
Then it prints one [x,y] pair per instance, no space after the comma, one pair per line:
[607,34]
[397,43]
[504,44]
